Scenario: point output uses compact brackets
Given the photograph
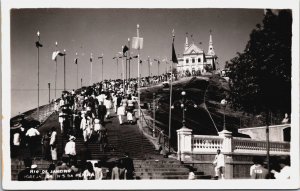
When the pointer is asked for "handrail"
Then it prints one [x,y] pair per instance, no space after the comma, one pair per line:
[166,137]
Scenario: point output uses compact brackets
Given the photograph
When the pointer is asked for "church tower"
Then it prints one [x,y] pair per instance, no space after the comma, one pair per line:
[186,45]
[211,50]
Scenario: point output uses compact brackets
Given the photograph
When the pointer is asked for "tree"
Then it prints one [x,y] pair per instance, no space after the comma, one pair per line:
[260,77]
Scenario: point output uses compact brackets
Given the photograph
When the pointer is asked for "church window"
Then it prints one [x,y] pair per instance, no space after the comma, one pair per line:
[193,60]
[199,59]
[187,60]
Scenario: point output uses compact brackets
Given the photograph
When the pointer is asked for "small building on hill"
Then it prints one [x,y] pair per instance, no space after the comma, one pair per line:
[195,61]
[278,133]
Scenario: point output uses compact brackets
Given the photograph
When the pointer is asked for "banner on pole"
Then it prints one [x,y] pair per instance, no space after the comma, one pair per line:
[54,55]
[137,43]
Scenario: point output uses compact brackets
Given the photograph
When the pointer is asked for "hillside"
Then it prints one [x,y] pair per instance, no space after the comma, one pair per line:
[198,119]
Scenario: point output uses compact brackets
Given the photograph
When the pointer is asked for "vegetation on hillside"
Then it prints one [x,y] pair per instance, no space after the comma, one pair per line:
[260,77]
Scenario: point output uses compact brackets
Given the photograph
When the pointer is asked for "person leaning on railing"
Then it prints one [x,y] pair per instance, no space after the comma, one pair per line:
[161,143]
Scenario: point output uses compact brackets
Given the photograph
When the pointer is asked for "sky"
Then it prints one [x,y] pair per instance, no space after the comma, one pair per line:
[105,31]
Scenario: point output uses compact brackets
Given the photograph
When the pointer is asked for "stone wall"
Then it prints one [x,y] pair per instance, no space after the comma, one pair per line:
[259,133]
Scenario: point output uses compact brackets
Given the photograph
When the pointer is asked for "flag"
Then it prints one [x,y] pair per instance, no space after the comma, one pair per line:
[174,57]
[91,58]
[125,49]
[61,54]
[54,55]
[75,60]
[137,43]
[38,44]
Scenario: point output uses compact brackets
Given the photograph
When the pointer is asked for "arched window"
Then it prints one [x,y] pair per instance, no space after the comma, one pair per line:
[193,60]
[187,60]
[199,59]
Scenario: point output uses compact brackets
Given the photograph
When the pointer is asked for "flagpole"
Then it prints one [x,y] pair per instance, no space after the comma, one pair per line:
[138,57]
[91,60]
[148,66]
[117,67]
[38,61]
[77,70]
[128,58]
[122,74]
[102,66]
[64,69]
[171,92]
[55,71]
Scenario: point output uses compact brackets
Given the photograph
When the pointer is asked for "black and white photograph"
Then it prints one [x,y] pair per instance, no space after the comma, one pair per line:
[141,96]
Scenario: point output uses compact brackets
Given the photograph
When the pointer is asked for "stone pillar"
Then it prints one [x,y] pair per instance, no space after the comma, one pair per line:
[227,149]
[227,141]
[184,139]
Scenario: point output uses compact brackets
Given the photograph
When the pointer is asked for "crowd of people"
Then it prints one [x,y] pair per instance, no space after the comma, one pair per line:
[280,168]
[83,113]
[121,169]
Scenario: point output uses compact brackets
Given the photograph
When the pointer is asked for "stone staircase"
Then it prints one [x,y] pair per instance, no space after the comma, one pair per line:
[165,168]
[149,164]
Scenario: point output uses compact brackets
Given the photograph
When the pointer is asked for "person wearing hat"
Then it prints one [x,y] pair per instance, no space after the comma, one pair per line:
[103,138]
[32,134]
[219,163]
[70,149]
[128,164]
[129,110]
[101,111]
[114,100]
[121,112]
[46,145]
[61,120]
[108,104]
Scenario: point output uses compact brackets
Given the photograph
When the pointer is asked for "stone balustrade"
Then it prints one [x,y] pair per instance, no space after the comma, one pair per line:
[189,144]
[201,149]
[244,145]
[205,143]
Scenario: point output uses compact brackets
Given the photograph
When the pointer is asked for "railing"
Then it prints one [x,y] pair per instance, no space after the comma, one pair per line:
[148,129]
[243,145]
[202,143]
[208,144]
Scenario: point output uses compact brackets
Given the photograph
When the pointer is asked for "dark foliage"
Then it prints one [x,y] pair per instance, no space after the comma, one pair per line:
[261,76]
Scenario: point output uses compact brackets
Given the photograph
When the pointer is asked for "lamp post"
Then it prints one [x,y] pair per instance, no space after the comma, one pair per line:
[38,45]
[183,104]
[55,71]
[224,103]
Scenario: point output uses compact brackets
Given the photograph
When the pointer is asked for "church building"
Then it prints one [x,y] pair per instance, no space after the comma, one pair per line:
[195,61]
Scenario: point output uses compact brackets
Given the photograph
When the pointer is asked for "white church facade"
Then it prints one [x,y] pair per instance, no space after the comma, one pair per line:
[195,61]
